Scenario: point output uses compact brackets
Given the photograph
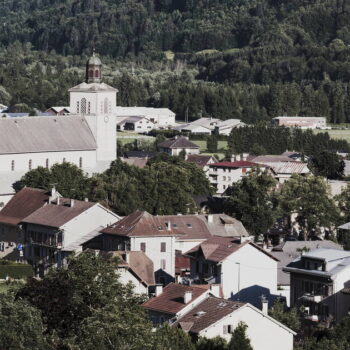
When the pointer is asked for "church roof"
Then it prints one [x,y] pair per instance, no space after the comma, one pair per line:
[94,60]
[45,134]
[92,87]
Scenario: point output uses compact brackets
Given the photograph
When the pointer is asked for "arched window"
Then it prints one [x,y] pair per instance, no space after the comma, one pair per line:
[30,164]
[83,106]
[80,162]
[12,165]
[97,74]
[47,163]
[105,105]
[91,73]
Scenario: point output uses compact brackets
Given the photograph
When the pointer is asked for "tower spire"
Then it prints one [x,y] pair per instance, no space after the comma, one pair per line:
[93,69]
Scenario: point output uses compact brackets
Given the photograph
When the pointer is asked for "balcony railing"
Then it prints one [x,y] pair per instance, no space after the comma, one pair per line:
[312,298]
[46,243]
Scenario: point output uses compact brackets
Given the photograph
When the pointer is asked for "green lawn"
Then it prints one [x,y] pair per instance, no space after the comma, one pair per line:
[203,145]
[336,134]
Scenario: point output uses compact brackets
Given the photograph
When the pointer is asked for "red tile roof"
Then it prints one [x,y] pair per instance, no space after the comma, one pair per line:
[140,223]
[171,300]
[22,204]
[205,314]
[56,215]
[139,264]
[217,248]
[237,164]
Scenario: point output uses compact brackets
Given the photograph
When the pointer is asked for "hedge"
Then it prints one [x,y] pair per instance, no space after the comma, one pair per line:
[16,271]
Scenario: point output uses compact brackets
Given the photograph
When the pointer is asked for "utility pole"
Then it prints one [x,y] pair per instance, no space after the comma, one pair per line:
[239,280]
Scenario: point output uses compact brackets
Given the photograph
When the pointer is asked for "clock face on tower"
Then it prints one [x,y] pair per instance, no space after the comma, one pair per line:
[106,119]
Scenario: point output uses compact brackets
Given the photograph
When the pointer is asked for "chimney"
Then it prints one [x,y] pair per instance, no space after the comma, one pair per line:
[233,158]
[50,199]
[53,192]
[215,290]
[58,200]
[264,305]
[187,296]
[159,289]
[86,199]
[168,226]
[245,156]
[72,203]
[210,218]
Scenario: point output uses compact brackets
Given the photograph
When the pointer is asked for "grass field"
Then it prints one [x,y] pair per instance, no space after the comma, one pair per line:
[203,145]
[337,134]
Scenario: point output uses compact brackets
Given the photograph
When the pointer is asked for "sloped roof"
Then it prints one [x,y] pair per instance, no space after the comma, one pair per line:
[22,204]
[45,134]
[92,87]
[138,162]
[290,168]
[59,109]
[140,223]
[199,159]
[56,215]
[217,248]
[206,314]
[237,164]
[140,264]
[224,225]
[179,142]
[171,301]
[144,111]
[270,159]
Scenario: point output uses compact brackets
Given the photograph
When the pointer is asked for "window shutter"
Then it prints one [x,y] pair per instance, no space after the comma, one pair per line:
[225,329]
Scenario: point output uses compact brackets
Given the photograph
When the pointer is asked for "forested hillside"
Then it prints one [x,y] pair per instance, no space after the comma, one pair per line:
[228,58]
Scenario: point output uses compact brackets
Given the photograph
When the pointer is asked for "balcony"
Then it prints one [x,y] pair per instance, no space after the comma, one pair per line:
[312,298]
[46,243]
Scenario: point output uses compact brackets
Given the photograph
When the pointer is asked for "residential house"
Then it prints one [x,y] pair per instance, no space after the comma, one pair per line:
[217,317]
[244,270]
[175,300]
[320,281]
[161,117]
[175,146]
[282,166]
[134,267]
[22,204]
[300,122]
[141,231]
[209,125]
[59,228]
[201,160]
[223,174]
[137,124]
[288,251]
[58,110]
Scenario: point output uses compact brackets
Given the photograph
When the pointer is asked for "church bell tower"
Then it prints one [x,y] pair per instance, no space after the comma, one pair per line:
[93,70]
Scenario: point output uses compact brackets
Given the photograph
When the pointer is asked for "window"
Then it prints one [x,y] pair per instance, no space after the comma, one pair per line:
[105,105]
[80,162]
[30,164]
[89,107]
[205,268]
[77,106]
[47,163]
[224,178]
[163,264]
[228,329]
[97,73]
[83,106]
[12,165]
[91,73]
[143,247]
[163,247]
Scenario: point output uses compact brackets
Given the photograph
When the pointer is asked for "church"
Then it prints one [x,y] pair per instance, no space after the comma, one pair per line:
[86,137]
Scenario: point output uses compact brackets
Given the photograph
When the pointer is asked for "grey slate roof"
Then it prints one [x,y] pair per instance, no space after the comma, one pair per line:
[178,142]
[92,87]
[45,134]
[287,252]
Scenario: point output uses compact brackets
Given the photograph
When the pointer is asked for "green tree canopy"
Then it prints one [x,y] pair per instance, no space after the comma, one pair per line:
[309,198]
[239,339]
[252,200]
[327,164]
